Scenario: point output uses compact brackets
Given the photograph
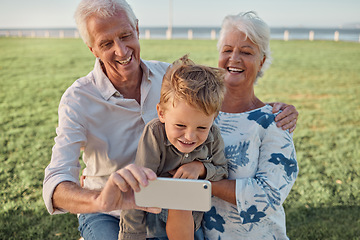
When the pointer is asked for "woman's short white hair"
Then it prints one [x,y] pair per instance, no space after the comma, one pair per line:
[254,28]
[102,8]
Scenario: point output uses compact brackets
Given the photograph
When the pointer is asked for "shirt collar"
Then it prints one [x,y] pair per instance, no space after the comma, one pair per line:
[104,84]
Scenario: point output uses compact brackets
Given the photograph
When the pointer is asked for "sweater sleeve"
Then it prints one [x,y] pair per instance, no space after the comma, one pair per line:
[277,170]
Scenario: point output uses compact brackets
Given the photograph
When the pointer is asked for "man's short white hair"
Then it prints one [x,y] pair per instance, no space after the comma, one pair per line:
[101,8]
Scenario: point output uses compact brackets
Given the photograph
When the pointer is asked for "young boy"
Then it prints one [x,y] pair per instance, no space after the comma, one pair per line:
[183,141]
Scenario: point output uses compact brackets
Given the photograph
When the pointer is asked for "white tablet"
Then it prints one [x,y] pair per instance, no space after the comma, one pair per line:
[174,193]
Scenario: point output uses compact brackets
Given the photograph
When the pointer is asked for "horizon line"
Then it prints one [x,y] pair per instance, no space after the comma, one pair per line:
[344,26]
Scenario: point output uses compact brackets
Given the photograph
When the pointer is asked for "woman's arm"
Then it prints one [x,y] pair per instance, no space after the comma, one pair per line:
[276,171]
[224,189]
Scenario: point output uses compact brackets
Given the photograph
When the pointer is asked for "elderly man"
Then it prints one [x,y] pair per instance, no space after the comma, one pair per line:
[103,114]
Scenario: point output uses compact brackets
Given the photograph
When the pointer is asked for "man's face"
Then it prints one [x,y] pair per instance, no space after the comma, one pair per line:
[116,43]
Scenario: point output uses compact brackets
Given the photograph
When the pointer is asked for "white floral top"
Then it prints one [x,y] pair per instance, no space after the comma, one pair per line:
[263,162]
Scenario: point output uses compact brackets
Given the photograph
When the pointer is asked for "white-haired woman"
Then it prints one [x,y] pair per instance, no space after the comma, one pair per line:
[263,166]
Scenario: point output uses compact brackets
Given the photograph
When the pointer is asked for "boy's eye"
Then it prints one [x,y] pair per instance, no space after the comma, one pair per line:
[180,125]
[202,128]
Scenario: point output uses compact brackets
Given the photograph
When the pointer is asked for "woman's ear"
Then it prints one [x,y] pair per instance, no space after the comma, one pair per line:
[161,113]
[263,61]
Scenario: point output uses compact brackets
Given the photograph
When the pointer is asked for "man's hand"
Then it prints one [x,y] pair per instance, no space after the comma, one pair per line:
[118,192]
[287,118]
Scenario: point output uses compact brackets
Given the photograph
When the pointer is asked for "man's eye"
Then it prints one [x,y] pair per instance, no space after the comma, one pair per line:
[107,44]
[126,36]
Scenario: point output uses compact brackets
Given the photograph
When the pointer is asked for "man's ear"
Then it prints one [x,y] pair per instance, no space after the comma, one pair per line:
[137,28]
[93,51]
[161,113]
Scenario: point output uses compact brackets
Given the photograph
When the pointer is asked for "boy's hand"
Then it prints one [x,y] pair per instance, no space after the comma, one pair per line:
[192,170]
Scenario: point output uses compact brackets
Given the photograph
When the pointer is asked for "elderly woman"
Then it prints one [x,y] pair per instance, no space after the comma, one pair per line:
[263,166]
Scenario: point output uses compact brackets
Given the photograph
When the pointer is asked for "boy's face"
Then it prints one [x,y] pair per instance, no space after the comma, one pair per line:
[186,127]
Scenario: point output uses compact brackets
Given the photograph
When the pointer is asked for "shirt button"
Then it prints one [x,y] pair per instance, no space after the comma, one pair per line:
[186,155]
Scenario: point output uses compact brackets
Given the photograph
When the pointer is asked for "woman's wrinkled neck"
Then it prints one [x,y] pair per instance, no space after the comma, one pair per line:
[239,103]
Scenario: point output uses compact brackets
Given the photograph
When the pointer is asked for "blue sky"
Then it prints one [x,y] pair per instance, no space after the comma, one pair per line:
[277,13]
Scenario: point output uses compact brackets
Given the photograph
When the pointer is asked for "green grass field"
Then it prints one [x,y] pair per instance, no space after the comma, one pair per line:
[321,78]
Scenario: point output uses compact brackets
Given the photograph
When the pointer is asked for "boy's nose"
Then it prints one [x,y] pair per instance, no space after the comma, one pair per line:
[190,136]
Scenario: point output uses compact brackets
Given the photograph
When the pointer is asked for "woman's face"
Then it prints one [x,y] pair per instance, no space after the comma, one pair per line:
[241,59]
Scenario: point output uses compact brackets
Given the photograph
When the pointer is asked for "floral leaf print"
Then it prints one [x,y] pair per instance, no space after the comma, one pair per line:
[214,220]
[252,215]
[237,155]
[226,126]
[271,197]
[290,165]
[234,215]
[263,119]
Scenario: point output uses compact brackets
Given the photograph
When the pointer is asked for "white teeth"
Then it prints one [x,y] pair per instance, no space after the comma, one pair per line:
[187,142]
[235,69]
[126,61]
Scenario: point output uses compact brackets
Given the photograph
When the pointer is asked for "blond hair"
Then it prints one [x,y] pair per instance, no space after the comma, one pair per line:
[200,86]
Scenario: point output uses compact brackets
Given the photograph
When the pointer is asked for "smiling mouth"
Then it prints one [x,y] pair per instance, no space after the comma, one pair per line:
[187,143]
[126,61]
[235,70]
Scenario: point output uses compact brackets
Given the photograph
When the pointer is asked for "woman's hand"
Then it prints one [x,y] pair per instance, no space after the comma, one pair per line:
[287,118]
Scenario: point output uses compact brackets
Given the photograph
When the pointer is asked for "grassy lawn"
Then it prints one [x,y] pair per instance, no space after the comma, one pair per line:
[321,78]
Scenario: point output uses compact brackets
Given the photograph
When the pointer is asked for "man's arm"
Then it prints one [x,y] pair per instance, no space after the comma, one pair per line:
[118,192]
[73,198]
